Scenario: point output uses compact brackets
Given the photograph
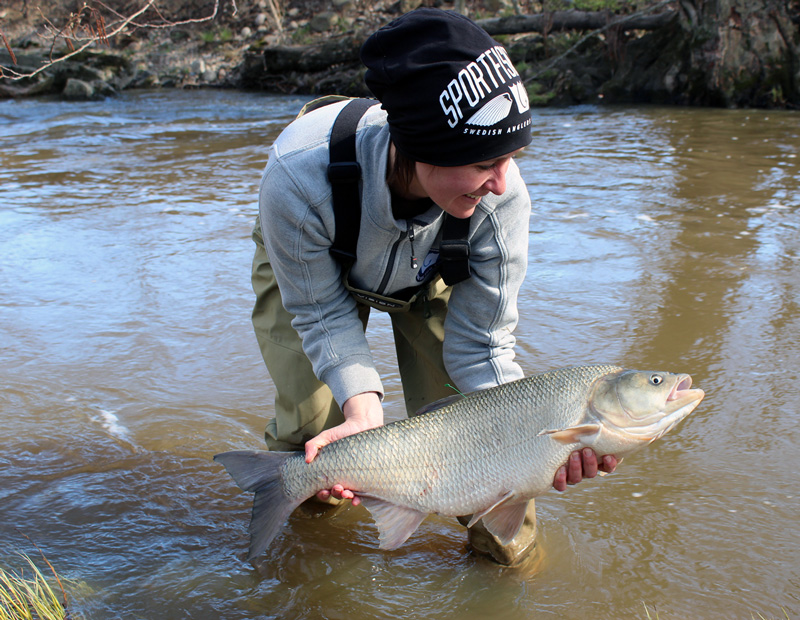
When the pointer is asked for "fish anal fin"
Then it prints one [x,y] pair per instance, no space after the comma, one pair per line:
[580,433]
[395,523]
[505,520]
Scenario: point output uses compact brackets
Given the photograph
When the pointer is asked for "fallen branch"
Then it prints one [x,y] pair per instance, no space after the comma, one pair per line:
[572,20]
[283,59]
[625,21]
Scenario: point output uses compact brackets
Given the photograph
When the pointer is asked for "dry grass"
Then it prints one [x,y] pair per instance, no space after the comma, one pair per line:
[25,594]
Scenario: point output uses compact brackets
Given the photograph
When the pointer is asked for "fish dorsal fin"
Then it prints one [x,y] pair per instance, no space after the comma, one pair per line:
[581,433]
[395,523]
[503,519]
[440,404]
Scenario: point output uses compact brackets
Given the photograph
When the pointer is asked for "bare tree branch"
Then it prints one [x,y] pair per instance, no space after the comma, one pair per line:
[95,31]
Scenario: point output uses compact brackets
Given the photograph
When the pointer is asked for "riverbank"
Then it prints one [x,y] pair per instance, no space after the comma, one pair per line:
[647,53]
[230,52]
[207,53]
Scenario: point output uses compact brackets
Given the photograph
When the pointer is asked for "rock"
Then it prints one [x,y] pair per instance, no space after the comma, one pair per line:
[322,22]
[42,87]
[77,90]
[104,89]
[143,79]
[497,6]
[405,6]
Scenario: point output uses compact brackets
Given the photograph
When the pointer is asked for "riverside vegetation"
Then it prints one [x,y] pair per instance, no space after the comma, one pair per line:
[735,53]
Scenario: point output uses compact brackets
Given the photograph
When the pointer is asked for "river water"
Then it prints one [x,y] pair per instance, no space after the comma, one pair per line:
[661,238]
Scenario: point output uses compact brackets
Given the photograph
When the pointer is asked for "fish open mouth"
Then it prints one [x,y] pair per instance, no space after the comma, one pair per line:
[681,401]
[684,384]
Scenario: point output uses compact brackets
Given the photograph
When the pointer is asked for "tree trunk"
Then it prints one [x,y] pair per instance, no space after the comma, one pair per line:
[729,53]
[743,52]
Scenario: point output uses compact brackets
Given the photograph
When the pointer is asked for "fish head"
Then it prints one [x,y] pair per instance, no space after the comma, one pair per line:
[644,404]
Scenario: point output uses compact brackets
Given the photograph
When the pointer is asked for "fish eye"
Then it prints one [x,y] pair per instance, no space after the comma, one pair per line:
[656,379]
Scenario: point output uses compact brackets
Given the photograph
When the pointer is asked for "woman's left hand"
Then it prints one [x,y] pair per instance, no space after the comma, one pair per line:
[582,464]
[361,412]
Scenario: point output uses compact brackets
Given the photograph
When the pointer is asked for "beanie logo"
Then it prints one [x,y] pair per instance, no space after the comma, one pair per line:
[493,112]
[479,80]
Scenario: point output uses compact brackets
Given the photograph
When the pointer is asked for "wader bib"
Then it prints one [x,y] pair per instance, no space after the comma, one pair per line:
[304,406]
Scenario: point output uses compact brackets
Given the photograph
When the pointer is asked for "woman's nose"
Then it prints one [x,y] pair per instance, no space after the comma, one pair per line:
[497,182]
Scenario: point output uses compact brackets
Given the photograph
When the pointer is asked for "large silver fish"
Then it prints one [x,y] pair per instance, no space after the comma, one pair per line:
[484,455]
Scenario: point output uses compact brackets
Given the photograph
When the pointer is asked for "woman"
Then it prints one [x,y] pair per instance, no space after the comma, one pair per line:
[453,114]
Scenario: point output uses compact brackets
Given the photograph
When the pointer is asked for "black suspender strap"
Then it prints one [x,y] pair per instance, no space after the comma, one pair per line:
[344,173]
[454,250]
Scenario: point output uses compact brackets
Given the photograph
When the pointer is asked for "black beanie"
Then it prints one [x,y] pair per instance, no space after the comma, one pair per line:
[451,93]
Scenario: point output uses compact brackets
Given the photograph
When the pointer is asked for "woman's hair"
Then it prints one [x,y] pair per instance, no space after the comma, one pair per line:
[401,172]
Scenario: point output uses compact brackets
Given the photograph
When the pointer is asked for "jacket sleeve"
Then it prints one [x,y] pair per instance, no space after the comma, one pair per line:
[297,225]
[482,313]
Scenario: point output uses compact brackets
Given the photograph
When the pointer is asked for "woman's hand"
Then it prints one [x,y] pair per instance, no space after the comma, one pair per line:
[361,412]
[582,465]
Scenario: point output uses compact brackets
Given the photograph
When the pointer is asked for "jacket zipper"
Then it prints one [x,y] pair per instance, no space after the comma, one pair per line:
[410,232]
[393,256]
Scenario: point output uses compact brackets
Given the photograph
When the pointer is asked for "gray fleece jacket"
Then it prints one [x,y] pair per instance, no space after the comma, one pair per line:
[298,225]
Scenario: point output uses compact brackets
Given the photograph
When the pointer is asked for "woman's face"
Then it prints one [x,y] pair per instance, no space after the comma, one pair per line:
[459,189]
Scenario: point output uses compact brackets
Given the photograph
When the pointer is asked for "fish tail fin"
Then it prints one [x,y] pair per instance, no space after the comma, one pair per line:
[260,472]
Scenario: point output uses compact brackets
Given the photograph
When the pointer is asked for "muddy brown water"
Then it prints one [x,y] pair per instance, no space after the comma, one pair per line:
[660,239]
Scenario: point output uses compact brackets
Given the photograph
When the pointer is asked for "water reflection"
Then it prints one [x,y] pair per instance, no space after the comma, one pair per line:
[661,238]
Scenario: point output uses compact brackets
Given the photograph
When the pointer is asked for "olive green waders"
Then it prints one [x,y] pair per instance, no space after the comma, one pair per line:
[304,405]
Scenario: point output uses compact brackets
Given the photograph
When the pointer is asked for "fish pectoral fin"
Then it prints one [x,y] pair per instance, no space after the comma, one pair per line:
[395,523]
[505,521]
[573,434]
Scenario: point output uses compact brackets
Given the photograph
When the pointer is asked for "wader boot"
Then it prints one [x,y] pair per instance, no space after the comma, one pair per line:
[515,552]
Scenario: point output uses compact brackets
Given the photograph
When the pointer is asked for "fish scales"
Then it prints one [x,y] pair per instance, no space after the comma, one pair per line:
[496,447]
[426,462]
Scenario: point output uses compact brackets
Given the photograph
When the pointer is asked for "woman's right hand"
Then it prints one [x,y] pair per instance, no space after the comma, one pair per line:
[361,412]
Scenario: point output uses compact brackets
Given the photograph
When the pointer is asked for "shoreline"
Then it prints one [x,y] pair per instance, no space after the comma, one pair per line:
[211,54]
[663,60]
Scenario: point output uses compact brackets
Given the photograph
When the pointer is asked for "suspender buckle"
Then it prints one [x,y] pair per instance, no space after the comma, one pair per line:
[454,260]
[454,249]
[344,172]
